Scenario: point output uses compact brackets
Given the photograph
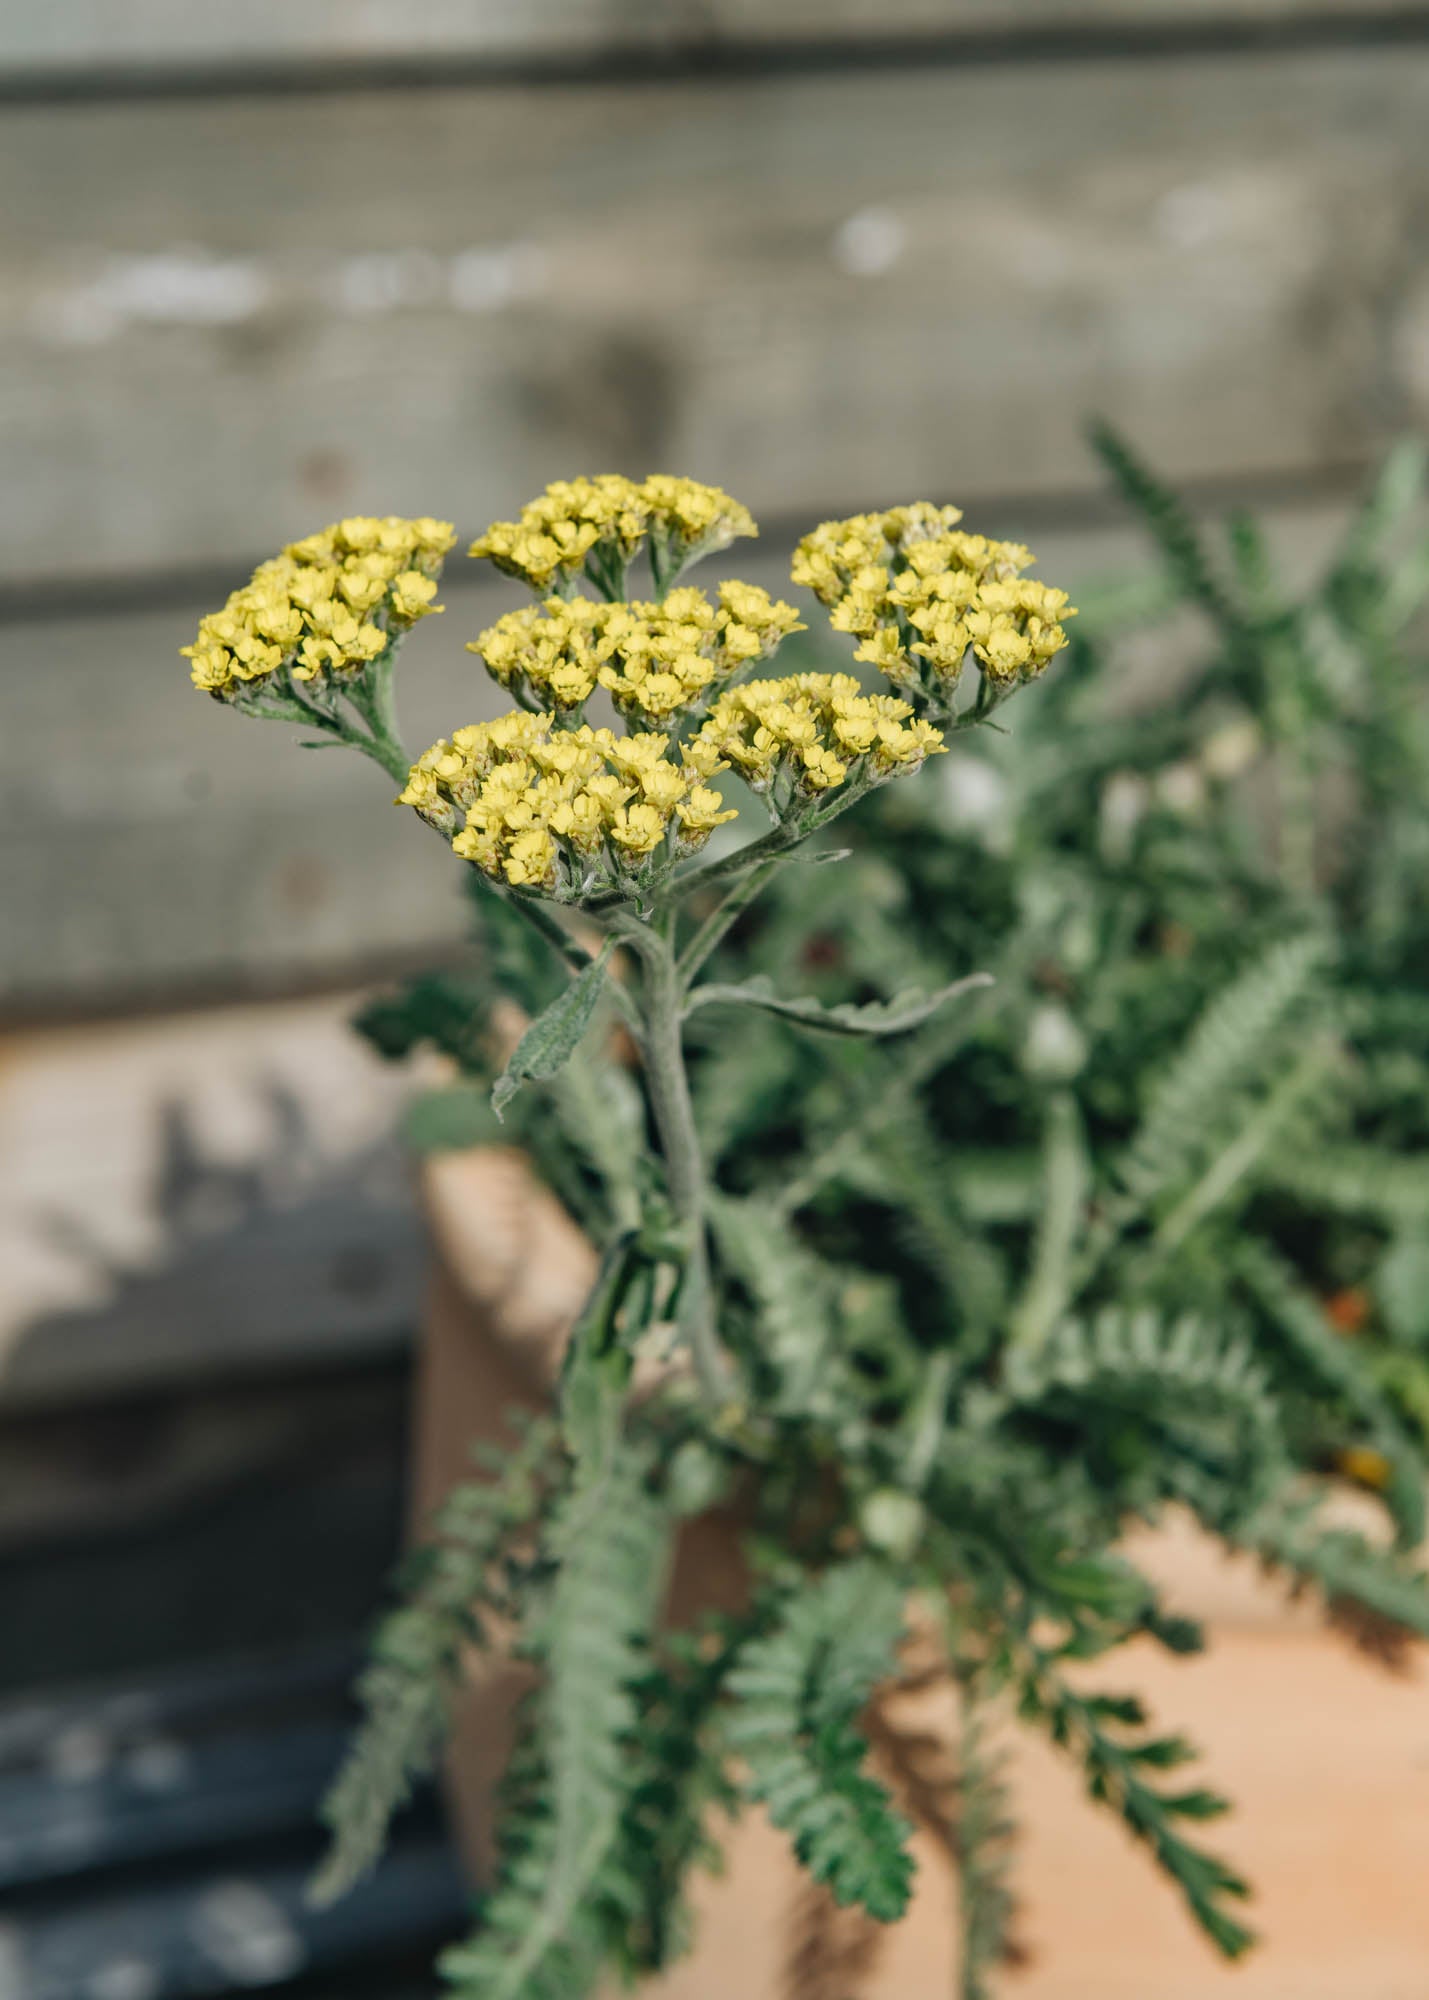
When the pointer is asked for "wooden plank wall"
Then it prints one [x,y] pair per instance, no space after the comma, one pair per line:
[99,39]
[228,315]
[262,266]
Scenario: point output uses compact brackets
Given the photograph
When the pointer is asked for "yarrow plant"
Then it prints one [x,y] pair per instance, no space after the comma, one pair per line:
[891,1465]
[950,1285]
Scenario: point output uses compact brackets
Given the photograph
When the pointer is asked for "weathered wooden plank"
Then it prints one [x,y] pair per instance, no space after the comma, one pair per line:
[163,35]
[227,1925]
[91,1466]
[289,1555]
[197,846]
[820,290]
[205,1781]
[212,1195]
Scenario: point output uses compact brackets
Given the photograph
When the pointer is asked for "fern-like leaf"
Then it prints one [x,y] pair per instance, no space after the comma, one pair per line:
[541,1935]
[985,1832]
[1340,1564]
[1172,528]
[444,1011]
[793,1291]
[1356,1180]
[1171,1369]
[797,1692]
[406,1690]
[677,1776]
[1198,1094]
[1066,1182]
[1108,1737]
[1298,1322]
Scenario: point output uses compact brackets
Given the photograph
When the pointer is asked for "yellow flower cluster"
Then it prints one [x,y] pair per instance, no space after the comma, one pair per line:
[695,515]
[599,524]
[328,604]
[816,731]
[563,811]
[918,592]
[656,660]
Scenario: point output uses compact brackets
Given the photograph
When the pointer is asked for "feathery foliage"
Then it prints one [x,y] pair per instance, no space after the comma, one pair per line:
[799,1690]
[952,1299]
[415,1667]
[984,1836]
[1120,1759]
[592,1636]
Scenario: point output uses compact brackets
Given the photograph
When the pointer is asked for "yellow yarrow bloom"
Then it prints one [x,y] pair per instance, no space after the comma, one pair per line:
[919,593]
[813,732]
[656,660]
[569,812]
[694,517]
[326,607]
[594,527]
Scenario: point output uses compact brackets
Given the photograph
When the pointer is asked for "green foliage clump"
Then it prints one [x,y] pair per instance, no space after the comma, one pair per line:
[955,1289]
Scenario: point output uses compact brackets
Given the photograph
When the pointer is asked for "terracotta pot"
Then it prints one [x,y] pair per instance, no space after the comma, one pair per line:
[1327,1759]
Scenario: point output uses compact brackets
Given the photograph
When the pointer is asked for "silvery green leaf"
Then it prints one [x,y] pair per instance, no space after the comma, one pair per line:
[874,1017]
[551,1039]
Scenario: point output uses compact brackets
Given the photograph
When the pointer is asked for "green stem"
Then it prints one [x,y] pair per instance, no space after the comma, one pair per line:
[575,954]
[1064,1197]
[665,1075]
[776,842]
[790,833]
[929,1418]
[718,922]
[384,751]
[374,697]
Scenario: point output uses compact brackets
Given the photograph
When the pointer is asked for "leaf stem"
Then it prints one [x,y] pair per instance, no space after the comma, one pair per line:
[719,921]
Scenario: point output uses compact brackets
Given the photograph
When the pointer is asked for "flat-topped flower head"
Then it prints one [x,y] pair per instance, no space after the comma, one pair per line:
[325,608]
[593,528]
[688,521]
[575,525]
[545,654]
[809,734]
[919,593]
[566,812]
[658,661]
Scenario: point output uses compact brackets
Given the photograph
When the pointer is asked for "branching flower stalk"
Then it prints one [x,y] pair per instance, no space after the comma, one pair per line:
[663,1053]
[558,812]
